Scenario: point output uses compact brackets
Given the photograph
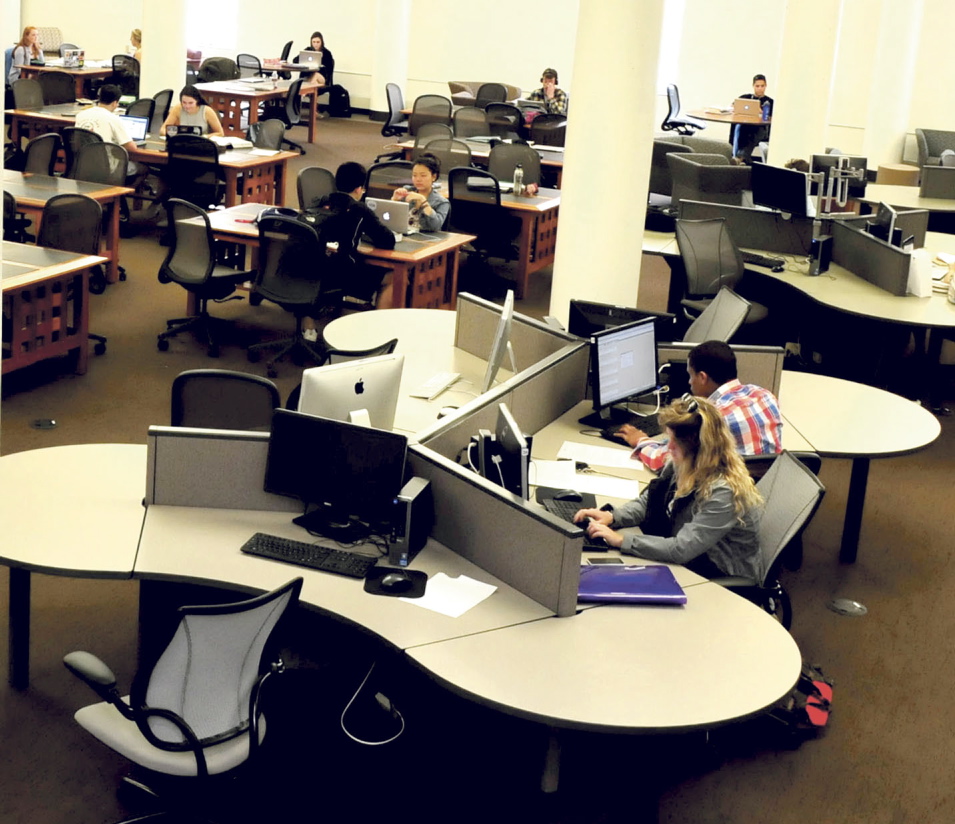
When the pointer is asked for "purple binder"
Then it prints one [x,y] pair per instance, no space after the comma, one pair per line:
[645,584]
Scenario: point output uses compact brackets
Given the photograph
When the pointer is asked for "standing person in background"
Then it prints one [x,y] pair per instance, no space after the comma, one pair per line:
[746,138]
[555,100]
[27,51]
[136,39]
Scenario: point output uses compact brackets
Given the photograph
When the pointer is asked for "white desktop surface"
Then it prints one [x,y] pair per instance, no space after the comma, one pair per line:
[906,196]
[646,668]
[203,545]
[73,509]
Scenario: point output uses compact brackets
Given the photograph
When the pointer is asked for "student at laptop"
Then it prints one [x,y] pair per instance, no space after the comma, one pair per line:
[103,120]
[702,512]
[751,412]
[326,62]
[427,206]
[191,110]
[746,138]
[27,51]
[555,100]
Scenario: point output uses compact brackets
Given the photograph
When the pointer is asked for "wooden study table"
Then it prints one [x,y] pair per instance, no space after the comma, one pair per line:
[228,97]
[424,272]
[25,124]
[33,191]
[45,305]
[537,242]
[83,77]
[730,118]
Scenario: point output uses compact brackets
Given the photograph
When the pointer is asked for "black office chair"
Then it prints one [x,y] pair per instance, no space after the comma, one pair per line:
[198,713]
[213,69]
[266,134]
[792,494]
[397,123]
[15,225]
[223,399]
[549,129]
[163,102]
[249,65]
[191,262]
[27,93]
[490,93]
[288,110]
[125,74]
[73,140]
[41,154]
[65,46]
[470,121]
[286,51]
[74,223]
[333,356]
[313,184]
[674,121]
[295,273]
[429,108]
[144,107]
[504,120]
[101,163]
[58,87]
[425,133]
[447,150]
[504,157]
[192,170]
[383,178]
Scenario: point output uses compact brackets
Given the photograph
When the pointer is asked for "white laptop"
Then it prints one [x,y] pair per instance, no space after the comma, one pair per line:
[394,214]
[749,106]
[73,58]
[136,127]
[312,57]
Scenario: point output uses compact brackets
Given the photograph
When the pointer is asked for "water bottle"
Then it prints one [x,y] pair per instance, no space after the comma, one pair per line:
[765,111]
[275,81]
[518,180]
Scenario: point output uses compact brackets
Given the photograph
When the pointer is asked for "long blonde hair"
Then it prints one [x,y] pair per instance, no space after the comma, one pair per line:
[711,453]
[35,48]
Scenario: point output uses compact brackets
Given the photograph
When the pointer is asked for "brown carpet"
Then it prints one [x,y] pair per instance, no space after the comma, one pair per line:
[887,758]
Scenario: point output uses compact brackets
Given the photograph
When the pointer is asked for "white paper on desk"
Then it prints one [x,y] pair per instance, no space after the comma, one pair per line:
[558,474]
[606,487]
[452,596]
[598,455]
[264,152]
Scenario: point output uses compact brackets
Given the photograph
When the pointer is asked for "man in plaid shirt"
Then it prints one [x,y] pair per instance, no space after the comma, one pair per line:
[751,412]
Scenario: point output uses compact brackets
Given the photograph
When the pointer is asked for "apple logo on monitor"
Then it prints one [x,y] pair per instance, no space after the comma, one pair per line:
[360,386]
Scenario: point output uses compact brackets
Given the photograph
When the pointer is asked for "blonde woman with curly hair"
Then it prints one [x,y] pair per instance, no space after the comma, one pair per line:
[703,511]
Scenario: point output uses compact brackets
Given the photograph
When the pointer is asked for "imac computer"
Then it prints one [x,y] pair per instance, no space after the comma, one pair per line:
[586,317]
[505,454]
[501,343]
[783,189]
[361,391]
[346,476]
[623,365]
[882,225]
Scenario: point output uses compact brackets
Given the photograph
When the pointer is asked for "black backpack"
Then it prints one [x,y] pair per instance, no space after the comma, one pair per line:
[339,102]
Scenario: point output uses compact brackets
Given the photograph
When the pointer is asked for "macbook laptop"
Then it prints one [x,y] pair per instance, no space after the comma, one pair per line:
[136,128]
[313,57]
[749,106]
[394,214]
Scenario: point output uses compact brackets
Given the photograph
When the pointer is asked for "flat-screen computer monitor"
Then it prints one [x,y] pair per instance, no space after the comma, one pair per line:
[506,456]
[825,162]
[501,343]
[623,365]
[882,225]
[343,391]
[345,475]
[586,317]
[778,188]
[136,127]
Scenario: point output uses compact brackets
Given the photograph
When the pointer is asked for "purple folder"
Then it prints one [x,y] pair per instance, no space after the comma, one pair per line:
[645,584]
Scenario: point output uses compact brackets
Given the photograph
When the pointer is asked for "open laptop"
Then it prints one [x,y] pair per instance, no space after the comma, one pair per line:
[748,106]
[136,128]
[394,214]
[73,58]
[313,57]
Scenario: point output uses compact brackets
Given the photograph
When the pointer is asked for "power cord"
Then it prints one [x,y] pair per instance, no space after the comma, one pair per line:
[384,703]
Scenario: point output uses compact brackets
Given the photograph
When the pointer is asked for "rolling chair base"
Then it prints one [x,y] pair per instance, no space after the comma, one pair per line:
[297,347]
[203,322]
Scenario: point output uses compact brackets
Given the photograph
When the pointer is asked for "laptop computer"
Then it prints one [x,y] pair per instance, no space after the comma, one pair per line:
[748,106]
[308,56]
[136,128]
[394,214]
[73,58]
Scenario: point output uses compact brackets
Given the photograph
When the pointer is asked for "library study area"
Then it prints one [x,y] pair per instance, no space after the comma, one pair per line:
[376,550]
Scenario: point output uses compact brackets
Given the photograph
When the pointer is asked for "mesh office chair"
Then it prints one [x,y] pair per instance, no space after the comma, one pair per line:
[504,120]
[73,139]
[429,108]
[289,111]
[58,87]
[101,163]
[192,170]
[163,101]
[450,152]
[792,494]
[397,123]
[470,121]
[384,178]
[199,710]
[125,74]
[674,121]
[490,93]
[266,134]
[27,93]
[295,273]
[549,129]
[65,46]
[41,154]
[191,262]
[286,51]
[223,399]
[504,157]
[15,224]
[313,184]
[720,320]
[333,356]
[144,107]
[249,65]
[213,69]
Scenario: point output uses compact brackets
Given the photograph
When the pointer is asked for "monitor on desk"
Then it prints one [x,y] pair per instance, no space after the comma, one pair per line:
[361,391]
[586,317]
[882,225]
[346,476]
[500,344]
[136,127]
[504,457]
[776,188]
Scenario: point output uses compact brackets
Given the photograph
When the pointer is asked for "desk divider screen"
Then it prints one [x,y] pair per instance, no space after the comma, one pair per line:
[872,259]
[755,228]
[911,221]
[937,181]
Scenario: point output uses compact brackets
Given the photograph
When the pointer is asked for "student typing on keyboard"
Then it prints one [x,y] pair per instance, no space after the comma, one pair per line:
[703,510]
[751,412]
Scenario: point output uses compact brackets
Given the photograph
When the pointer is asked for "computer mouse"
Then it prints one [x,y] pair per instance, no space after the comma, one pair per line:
[567,495]
[444,411]
[396,582]
[779,267]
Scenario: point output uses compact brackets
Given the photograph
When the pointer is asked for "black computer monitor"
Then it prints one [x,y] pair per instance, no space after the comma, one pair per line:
[777,188]
[882,225]
[586,317]
[825,162]
[345,475]
[623,365]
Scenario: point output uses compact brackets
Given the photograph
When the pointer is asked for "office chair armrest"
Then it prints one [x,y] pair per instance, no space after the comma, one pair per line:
[737,582]
[98,677]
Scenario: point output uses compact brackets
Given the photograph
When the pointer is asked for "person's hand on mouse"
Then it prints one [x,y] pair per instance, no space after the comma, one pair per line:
[601,530]
[629,433]
[599,516]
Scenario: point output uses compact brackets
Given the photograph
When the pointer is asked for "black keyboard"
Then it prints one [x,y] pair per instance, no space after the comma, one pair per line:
[323,558]
[761,260]
[565,510]
[648,424]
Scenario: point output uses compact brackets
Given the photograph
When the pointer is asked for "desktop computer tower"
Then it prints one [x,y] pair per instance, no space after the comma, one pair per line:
[412,521]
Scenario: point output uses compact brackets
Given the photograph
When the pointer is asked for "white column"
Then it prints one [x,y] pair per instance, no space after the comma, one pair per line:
[164,47]
[801,93]
[892,78]
[607,156]
[390,50]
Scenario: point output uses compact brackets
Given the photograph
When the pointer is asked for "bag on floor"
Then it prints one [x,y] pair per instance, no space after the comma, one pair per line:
[339,102]
[806,710]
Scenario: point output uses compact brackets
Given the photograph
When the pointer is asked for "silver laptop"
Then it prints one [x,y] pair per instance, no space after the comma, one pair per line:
[394,214]
[136,127]
[313,57]
[749,106]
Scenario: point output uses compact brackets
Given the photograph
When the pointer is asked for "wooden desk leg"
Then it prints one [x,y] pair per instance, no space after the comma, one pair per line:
[855,501]
[231,186]
[550,778]
[81,308]
[112,242]
[312,117]
[279,173]
[78,83]
[399,285]
[19,628]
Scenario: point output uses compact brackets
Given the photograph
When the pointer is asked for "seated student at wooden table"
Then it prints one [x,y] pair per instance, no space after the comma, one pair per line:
[555,100]
[751,412]
[429,208]
[136,41]
[191,110]
[27,51]
[704,509]
[745,138]
[326,62]
[103,120]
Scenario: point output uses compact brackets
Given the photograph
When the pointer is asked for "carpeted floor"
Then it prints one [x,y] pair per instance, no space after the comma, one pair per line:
[887,758]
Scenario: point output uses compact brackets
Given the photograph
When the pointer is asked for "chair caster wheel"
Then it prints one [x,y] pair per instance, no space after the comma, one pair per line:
[162,344]
[99,349]
[97,284]
[255,299]
[122,273]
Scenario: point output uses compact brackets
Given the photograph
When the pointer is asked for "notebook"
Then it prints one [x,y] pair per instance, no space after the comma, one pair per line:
[394,214]
[748,106]
[644,584]
[136,127]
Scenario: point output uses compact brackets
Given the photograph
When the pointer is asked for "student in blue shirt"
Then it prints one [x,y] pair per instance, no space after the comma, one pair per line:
[430,208]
